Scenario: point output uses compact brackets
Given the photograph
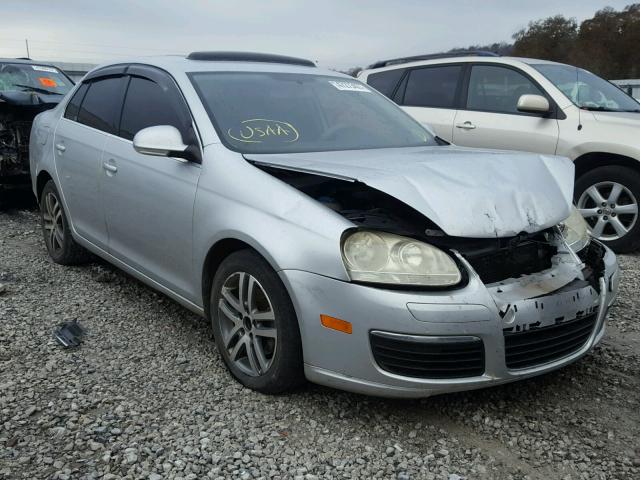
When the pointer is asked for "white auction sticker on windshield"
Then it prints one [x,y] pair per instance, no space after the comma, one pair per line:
[349,86]
[44,69]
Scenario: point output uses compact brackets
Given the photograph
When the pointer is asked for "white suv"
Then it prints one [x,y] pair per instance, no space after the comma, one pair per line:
[482,100]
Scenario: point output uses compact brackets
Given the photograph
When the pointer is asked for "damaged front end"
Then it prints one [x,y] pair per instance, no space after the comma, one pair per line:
[551,300]
[556,312]
[17,112]
[493,259]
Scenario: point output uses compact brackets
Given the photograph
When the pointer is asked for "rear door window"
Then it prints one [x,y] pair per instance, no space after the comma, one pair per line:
[101,105]
[434,87]
[146,105]
[73,107]
[497,89]
[385,82]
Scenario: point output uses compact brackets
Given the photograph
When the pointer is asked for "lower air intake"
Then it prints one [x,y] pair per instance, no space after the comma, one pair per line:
[428,357]
[538,346]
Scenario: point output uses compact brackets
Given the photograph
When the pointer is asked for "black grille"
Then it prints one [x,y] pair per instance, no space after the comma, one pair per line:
[512,262]
[542,345]
[497,259]
[428,357]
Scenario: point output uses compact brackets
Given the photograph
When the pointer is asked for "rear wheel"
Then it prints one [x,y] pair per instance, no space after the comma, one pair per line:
[608,199]
[61,246]
[255,325]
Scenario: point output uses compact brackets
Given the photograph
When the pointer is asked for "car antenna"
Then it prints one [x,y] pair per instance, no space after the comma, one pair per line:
[578,100]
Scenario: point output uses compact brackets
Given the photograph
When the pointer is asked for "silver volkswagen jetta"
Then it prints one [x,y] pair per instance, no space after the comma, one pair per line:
[323,232]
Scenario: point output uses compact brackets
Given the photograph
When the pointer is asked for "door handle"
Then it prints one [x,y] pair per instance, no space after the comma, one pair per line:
[110,167]
[466,125]
[60,147]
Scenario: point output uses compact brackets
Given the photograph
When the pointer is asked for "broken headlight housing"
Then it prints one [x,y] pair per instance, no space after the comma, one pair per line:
[379,257]
[575,231]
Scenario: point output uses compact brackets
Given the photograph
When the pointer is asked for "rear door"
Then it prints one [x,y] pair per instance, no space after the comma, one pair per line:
[80,137]
[430,95]
[489,117]
[149,200]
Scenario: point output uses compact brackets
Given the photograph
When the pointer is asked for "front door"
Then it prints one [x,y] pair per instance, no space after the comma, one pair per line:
[149,200]
[491,119]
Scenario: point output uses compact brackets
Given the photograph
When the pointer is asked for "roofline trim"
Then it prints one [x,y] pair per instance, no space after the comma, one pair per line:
[433,56]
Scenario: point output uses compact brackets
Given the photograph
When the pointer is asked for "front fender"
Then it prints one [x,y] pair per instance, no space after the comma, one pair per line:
[289,229]
[604,147]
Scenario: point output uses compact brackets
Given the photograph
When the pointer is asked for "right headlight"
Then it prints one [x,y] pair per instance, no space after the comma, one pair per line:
[575,231]
[379,257]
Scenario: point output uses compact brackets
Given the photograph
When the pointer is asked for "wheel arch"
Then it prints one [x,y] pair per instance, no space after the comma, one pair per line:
[592,160]
[41,181]
[220,250]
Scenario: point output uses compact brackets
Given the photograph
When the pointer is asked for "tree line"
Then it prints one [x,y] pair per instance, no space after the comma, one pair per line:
[607,44]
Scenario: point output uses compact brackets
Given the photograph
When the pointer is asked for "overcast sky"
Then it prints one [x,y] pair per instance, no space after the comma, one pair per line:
[337,34]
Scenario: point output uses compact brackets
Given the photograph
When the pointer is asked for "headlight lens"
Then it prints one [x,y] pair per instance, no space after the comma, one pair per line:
[380,257]
[575,231]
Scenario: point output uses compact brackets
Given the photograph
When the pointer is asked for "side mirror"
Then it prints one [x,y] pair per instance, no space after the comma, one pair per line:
[160,141]
[533,104]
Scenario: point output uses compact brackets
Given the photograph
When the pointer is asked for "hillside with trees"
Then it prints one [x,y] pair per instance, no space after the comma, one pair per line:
[608,44]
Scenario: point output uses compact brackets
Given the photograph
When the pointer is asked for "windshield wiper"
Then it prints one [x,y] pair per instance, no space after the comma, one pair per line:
[599,109]
[605,109]
[37,90]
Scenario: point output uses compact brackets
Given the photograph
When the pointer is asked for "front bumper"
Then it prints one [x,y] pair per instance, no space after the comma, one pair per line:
[346,361]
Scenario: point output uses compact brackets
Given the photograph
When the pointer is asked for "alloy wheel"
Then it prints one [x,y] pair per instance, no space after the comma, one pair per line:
[610,209]
[247,323]
[53,223]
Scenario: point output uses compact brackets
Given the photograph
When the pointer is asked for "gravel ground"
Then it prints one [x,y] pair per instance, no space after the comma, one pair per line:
[146,396]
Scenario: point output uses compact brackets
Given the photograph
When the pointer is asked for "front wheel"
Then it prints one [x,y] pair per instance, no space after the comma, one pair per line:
[608,199]
[255,325]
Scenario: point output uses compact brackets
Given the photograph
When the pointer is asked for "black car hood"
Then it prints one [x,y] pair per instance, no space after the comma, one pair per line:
[29,98]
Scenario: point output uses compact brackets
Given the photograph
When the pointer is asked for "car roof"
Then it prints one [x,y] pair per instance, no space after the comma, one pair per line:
[179,64]
[534,61]
[463,59]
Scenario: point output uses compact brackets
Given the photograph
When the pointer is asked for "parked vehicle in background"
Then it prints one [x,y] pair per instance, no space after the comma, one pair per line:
[323,231]
[477,99]
[630,86]
[26,89]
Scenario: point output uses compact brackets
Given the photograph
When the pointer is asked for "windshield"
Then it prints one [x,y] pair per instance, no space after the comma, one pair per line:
[286,113]
[587,90]
[17,77]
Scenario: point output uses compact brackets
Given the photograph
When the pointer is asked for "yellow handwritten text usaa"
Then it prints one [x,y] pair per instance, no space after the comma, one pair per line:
[259,130]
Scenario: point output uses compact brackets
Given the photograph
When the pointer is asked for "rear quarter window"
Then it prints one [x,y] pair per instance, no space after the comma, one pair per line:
[73,107]
[386,82]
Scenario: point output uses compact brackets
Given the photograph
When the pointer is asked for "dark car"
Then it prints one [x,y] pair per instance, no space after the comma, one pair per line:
[26,89]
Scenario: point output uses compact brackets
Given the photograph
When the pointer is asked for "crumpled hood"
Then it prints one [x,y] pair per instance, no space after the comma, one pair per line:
[466,192]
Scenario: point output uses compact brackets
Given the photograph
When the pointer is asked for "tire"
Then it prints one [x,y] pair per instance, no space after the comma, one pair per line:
[244,335]
[61,246]
[615,223]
